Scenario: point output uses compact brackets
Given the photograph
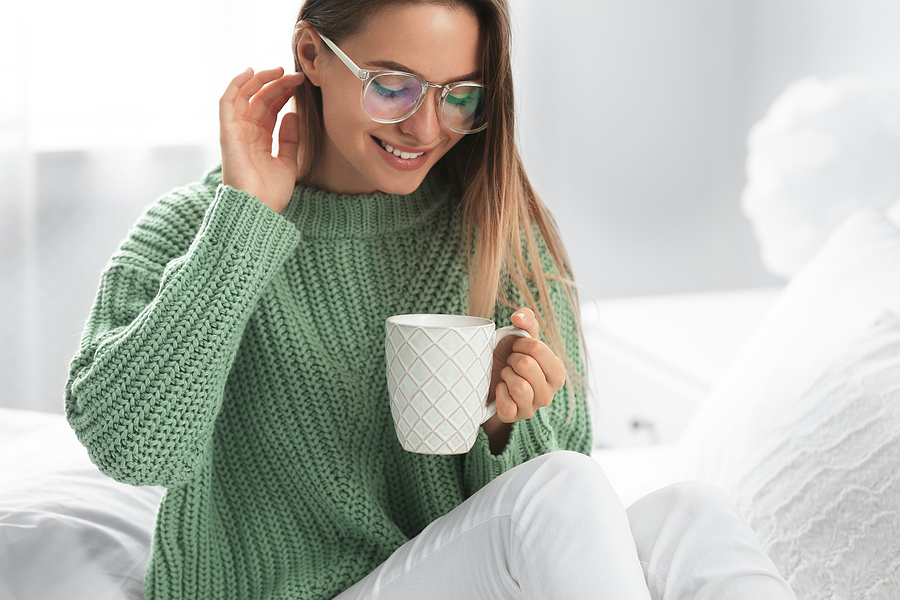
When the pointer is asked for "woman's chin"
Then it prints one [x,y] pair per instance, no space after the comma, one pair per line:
[403,185]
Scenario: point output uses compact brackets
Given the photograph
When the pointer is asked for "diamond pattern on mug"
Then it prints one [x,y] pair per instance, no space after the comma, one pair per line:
[396,372]
[465,358]
[458,441]
[482,388]
[420,340]
[434,443]
[453,341]
[459,418]
[445,430]
[407,386]
[414,440]
[419,372]
[434,389]
[434,355]
[406,355]
[421,429]
[433,418]
[448,374]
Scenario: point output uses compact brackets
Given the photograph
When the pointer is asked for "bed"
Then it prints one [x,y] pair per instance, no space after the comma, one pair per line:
[801,428]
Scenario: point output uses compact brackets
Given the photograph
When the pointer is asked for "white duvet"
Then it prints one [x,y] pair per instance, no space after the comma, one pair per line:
[66,530]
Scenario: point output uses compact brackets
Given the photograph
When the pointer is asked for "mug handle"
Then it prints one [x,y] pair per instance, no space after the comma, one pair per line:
[499,335]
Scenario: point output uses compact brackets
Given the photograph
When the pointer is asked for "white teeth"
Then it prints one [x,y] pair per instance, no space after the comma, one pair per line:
[398,153]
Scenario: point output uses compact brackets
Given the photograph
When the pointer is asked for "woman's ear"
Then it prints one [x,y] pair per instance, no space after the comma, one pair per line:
[309,52]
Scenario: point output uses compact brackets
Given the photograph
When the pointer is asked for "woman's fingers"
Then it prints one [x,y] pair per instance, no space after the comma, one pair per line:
[529,380]
[289,137]
[528,369]
[236,101]
[256,83]
[507,409]
[515,397]
[271,117]
[524,319]
[536,361]
[265,104]
[226,102]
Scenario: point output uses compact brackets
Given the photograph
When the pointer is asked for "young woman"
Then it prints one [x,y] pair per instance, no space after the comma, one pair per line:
[235,350]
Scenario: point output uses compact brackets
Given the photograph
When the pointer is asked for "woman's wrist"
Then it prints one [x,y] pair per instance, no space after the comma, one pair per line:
[498,434]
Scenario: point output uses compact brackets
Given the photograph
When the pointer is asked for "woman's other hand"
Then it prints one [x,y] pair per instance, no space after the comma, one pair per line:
[248,111]
[525,377]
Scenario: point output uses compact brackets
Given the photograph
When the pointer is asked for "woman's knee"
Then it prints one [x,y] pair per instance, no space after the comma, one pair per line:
[687,525]
[681,507]
[568,466]
[708,502]
[696,496]
[570,480]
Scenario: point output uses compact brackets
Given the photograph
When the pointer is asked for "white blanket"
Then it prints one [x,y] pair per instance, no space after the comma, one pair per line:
[66,530]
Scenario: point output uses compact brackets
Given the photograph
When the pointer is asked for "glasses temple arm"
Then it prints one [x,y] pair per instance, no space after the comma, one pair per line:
[362,74]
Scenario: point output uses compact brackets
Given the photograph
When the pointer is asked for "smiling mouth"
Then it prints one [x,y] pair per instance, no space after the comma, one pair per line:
[398,153]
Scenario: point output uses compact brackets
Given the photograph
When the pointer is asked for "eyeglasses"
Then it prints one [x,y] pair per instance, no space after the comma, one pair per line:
[393,96]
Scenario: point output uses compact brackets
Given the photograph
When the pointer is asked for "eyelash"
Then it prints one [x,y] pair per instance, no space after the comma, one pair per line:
[461,101]
[386,92]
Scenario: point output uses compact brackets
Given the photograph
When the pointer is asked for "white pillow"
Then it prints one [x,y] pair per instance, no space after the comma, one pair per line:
[67,530]
[822,491]
[850,282]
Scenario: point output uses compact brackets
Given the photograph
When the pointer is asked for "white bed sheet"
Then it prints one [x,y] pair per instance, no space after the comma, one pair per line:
[66,530]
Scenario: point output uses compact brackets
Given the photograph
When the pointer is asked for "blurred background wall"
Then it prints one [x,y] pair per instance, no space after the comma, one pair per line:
[635,117]
[633,123]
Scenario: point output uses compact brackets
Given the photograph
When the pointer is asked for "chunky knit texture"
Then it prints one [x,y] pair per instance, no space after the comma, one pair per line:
[236,356]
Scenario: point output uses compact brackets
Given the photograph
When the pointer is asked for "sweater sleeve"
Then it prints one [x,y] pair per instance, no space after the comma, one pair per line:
[147,382]
[564,425]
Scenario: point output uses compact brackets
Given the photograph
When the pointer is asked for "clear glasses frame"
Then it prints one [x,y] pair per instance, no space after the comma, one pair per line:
[366,77]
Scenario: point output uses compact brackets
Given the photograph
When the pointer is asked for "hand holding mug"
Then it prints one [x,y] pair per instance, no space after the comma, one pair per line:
[248,111]
[527,374]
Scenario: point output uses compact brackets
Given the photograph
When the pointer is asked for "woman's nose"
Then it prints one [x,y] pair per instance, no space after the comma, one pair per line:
[425,123]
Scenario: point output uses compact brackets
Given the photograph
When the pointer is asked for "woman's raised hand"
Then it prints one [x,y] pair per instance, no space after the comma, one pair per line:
[247,114]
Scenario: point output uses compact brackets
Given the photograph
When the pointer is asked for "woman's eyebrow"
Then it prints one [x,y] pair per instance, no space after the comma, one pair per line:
[395,66]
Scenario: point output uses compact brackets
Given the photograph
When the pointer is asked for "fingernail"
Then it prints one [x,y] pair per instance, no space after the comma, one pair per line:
[522,316]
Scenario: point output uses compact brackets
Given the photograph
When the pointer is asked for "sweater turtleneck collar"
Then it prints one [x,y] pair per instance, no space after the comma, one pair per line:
[322,214]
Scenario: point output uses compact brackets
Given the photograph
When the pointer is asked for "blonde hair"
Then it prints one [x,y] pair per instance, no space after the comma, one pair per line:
[501,212]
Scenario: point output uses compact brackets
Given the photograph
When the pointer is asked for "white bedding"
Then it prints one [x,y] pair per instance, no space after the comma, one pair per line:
[822,489]
[66,530]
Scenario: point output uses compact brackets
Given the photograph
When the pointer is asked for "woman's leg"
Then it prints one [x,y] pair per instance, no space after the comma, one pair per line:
[694,544]
[551,528]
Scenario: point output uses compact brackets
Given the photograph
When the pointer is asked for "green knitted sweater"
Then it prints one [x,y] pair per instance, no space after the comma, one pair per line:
[236,357]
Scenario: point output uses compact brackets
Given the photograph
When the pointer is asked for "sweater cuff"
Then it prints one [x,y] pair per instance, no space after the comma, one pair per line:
[528,439]
[243,224]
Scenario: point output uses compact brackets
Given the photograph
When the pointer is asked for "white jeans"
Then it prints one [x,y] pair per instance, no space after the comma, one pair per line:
[554,529]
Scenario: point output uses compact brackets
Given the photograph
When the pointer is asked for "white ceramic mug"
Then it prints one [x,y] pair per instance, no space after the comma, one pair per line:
[438,375]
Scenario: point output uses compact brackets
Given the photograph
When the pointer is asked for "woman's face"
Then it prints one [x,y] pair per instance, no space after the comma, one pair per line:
[437,43]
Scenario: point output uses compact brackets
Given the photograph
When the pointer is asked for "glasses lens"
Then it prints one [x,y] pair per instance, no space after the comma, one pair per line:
[463,108]
[391,96]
